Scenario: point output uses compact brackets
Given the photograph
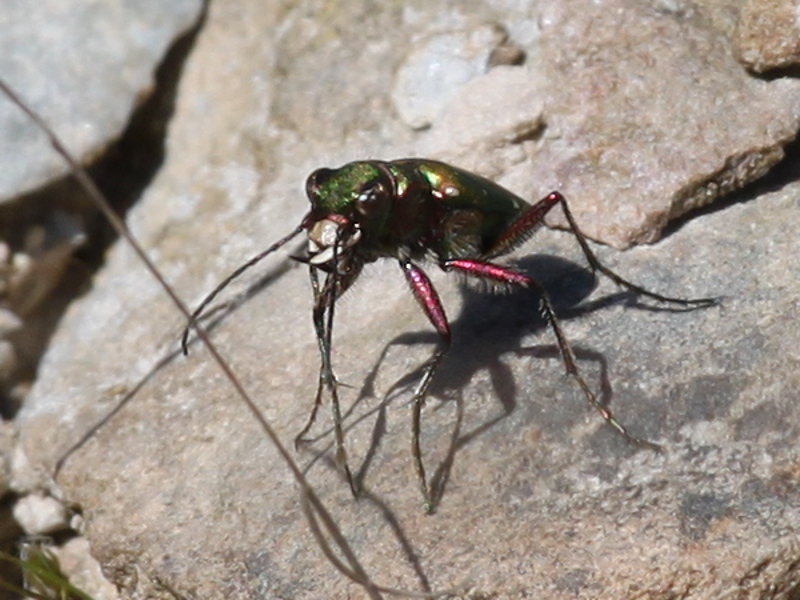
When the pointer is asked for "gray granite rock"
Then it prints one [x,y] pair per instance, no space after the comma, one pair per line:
[181,490]
[84,65]
[41,515]
[438,66]
[69,563]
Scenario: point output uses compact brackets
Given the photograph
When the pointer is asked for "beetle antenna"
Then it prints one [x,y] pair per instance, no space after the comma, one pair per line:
[224,283]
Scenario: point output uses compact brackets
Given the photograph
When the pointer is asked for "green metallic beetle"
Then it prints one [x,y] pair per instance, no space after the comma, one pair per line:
[413,210]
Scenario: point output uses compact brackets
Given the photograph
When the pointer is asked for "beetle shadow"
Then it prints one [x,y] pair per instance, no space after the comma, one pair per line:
[409,553]
[211,319]
[489,327]
[215,314]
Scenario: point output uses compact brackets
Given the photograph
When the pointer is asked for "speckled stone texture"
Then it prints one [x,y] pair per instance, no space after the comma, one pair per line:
[84,64]
[768,35]
[635,110]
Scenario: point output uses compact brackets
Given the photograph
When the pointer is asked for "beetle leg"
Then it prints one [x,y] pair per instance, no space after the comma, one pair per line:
[324,307]
[521,229]
[428,299]
[325,368]
[486,270]
[324,303]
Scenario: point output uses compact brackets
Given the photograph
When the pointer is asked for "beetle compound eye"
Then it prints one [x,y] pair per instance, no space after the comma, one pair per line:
[369,198]
[316,180]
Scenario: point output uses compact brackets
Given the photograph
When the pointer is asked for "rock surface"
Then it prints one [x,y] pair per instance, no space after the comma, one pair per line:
[768,34]
[84,65]
[182,491]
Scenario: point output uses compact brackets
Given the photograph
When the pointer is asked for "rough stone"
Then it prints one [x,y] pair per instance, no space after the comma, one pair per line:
[40,515]
[437,67]
[768,34]
[84,65]
[71,560]
[486,124]
[28,477]
[540,498]
[628,98]
[83,570]
[9,322]
[634,131]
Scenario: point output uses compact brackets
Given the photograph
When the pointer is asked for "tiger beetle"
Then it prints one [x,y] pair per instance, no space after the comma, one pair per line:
[413,210]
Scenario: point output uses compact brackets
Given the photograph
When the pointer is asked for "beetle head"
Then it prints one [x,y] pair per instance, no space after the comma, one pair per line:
[346,203]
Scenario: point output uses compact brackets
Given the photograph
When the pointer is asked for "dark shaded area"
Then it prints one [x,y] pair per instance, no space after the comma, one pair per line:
[489,326]
[699,511]
[9,534]
[782,174]
[122,173]
[788,72]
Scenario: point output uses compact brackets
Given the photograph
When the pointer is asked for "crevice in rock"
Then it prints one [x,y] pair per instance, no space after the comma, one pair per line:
[782,174]
[54,240]
[9,534]
[61,218]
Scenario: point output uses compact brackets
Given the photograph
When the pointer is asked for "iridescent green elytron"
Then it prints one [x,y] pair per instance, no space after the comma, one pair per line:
[415,210]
